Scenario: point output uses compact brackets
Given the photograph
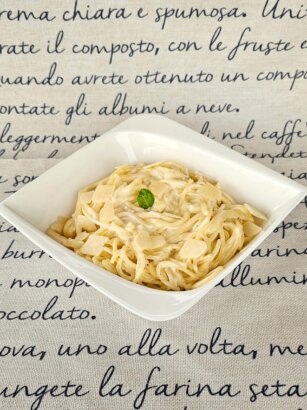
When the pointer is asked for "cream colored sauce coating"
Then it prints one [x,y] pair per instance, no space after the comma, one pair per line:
[182,242]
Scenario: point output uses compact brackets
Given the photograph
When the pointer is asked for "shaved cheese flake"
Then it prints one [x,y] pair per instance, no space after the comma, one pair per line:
[251,229]
[103,192]
[159,205]
[94,245]
[145,241]
[192,248]
[255,212]
[158,188]
[107,213]
[82,236]
[86,224]
[86,197]
[89,211]
[210,192]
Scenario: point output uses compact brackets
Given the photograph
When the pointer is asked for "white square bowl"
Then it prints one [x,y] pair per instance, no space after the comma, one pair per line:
[146,138]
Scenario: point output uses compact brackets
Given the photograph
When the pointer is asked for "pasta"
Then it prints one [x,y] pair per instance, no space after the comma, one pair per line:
[189,230]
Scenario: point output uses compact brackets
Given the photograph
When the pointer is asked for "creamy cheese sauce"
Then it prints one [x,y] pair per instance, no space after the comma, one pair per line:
[180,243]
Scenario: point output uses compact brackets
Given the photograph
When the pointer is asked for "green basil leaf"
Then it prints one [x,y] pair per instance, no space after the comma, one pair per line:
[145,198]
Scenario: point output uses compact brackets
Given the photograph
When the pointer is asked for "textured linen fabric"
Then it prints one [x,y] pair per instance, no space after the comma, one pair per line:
[261,305]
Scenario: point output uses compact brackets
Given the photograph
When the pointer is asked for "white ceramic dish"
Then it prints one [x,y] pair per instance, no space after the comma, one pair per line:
[146,138]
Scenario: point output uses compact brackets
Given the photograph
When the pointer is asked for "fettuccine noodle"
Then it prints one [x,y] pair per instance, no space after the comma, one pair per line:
[180,243]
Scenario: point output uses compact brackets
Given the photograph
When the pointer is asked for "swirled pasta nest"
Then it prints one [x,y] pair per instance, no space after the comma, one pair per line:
[180,243]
